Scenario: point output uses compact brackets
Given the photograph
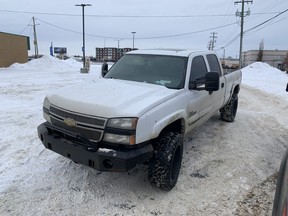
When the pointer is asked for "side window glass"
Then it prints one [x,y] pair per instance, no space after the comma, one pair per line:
[198,69]
[213,63]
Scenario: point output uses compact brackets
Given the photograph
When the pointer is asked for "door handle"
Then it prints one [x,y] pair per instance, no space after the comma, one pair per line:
[222,85]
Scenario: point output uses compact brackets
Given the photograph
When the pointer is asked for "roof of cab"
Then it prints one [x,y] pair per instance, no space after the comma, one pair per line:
[169,52]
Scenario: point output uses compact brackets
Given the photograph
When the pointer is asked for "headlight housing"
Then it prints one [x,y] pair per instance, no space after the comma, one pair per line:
[119,139]
[46,110]
[123,123]
[121,131]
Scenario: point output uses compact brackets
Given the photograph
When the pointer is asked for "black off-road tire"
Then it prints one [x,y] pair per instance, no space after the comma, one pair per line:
[228,112]
[164,167]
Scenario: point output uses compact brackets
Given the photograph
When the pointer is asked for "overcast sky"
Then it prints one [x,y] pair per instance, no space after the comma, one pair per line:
[157,23]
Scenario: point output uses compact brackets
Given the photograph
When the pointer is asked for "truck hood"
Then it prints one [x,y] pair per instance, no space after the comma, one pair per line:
[111,98]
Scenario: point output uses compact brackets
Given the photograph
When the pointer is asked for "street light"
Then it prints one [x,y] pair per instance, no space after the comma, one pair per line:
[133,38]
[83,23]
[223,54]
[118,50]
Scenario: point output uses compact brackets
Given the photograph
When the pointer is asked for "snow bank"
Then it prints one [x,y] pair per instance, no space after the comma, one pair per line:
[264,77]
[263,68]
[47,62]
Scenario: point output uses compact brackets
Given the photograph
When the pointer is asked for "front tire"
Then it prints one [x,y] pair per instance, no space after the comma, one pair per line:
[164,167]
[228,112]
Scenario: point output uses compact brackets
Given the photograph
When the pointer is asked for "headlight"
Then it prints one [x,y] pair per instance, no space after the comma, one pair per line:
[46,109]
[121,131]
[123,123]
[119,139]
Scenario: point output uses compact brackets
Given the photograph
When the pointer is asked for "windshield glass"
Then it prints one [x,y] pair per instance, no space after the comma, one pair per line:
[168,71]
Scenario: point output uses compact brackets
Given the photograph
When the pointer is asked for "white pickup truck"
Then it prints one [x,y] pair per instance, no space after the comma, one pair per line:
[140,111]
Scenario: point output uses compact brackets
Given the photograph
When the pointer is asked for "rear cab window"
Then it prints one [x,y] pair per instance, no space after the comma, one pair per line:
[213,63]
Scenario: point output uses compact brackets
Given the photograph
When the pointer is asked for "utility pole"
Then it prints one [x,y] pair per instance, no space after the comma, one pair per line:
[209,45]
[213,40]
[35,38]
[242,15]
[133,38]
[83,24]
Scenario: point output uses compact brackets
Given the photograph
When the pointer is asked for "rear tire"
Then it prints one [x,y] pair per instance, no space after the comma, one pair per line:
[164,167]
[228,112]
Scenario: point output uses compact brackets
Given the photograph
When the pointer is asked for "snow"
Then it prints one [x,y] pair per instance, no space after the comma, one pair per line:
[47,62]
[225,165]
[264,77]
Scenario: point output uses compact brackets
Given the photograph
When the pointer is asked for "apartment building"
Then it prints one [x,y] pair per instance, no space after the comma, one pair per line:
[110,53]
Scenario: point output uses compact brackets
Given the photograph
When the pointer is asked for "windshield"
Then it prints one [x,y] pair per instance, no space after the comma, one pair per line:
[168,71]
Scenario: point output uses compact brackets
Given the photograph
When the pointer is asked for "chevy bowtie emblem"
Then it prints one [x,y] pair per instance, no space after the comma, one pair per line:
[70,122]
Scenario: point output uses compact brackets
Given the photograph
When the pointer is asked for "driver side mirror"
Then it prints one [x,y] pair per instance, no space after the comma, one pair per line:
[104,69]
[212,81]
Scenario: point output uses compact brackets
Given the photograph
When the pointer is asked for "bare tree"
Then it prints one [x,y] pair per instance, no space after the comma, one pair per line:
[260,53]
[285,63]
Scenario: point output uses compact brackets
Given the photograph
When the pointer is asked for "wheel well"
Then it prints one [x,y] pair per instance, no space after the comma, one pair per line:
[176,126]
[236,89]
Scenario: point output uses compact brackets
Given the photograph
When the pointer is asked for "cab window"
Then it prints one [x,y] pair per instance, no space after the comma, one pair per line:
[198,69]
[213,63]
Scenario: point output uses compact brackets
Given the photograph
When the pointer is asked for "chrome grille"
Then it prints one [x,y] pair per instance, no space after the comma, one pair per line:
[89,126]
[85,119]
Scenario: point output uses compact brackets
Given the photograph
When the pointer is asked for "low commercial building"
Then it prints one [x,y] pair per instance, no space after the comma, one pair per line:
[13,48]
[271,57]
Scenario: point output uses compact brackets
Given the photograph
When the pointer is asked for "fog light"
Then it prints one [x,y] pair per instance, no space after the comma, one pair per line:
[107,164]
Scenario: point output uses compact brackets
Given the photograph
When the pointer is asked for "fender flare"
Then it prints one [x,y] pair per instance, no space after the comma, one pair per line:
[163,123]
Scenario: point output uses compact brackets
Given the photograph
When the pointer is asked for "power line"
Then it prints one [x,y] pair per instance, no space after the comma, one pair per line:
[266,9]
[268,24]
[228,16]
[127,16]
[273,5]
[25,27]
[65,29]
[266,21]
[233,40]
[189,33]
[39,13]
[167,36]
[143,38]
[255,27]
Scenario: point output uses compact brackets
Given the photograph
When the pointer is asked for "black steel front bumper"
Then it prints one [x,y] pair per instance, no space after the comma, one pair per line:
[80,150]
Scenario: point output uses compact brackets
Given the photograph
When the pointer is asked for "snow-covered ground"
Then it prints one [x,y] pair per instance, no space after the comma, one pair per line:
[227,169]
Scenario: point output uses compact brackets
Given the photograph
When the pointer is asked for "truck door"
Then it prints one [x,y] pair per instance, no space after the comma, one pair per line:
[199,102]
[218,97]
